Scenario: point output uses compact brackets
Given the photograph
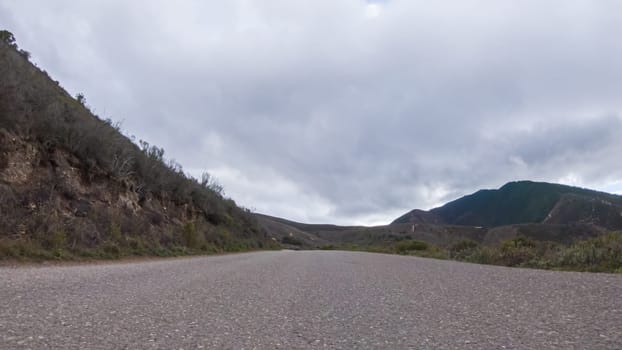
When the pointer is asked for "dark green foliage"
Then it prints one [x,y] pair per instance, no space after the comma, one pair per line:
[406,246]
[410,247]
[115,232]
[111,250]
[81,99]
[58,240]
[8,38]
[291,240]
[190,235]
[517,252]
[465,244]
[462,248]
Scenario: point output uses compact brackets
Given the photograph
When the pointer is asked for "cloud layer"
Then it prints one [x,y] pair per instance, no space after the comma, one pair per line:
[348,111]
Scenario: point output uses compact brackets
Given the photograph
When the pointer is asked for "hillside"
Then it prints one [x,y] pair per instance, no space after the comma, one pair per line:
[72,185]
[534,210]
[309,236]
[526,202]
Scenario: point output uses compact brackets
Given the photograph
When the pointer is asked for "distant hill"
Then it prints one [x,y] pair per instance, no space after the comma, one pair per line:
[318,235]
[526,202]
[418,216]
[72,185]
[538,210]
[293,234]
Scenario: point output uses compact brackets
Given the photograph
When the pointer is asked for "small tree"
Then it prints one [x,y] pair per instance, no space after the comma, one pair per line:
[25,54]
[80,98]
[8,38]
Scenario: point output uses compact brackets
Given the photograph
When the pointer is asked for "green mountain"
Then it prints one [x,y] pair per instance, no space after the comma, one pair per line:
[524,202]
[72,185]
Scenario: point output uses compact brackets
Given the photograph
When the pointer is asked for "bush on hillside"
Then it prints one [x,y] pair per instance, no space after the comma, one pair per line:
[603,253]
[517,251]
[291,240]
[462,248]
[406,246]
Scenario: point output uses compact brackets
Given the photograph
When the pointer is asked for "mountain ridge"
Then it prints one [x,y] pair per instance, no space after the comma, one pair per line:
[526,202]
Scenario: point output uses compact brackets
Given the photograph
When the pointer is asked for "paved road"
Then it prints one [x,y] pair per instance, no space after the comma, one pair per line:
[306,300]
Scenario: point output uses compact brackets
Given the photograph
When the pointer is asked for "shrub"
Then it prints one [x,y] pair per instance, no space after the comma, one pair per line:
[115,232]
[8,38]
[406,246]
[111,250]
[59,239]
[190,235]
[517,251]
[462,249]
[483,255]
[291,240]
[603,253]
[24,54]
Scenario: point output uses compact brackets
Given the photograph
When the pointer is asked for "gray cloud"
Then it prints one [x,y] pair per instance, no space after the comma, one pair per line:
[349,111]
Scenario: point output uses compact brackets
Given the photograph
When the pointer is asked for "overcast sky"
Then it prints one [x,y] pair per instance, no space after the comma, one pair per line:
[349,112]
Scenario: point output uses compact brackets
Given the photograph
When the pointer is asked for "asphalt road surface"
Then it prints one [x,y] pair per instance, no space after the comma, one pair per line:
[306,300]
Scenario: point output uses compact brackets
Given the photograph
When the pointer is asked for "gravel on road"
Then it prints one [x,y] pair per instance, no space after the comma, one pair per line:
[306,300]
